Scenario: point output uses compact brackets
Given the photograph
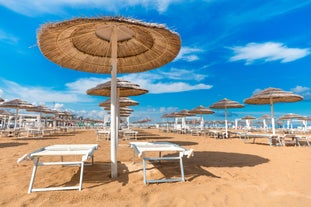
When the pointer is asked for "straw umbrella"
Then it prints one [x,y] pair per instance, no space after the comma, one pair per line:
[201,110]
[123,101]
[289,117]
[124,88]
[17,104]
[109,45]
[247,119]
[305,120]
[225,104]
[4,114]
[271,96]
[41,109]
[183,114]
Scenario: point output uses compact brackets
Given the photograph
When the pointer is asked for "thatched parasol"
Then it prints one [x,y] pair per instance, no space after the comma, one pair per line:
[271,96]
[289,117]
[17,104]
[123,101]
[201,110]
[247,119]
[41,109]
[183,114]
[109,45]
[125,88]
[225,104]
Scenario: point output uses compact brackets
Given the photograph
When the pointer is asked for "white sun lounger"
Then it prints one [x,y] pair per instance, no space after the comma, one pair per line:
[86,152]
[141,148]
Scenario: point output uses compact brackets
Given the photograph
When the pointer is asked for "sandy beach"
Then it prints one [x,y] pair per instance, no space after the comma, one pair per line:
[222,172]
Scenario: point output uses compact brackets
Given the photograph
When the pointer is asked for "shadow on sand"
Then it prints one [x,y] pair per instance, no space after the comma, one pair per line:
[11,144]
[197,165]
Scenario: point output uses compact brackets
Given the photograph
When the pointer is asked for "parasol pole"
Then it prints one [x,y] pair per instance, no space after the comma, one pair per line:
[16,116]
[226,122]
[272,116]
[113,124]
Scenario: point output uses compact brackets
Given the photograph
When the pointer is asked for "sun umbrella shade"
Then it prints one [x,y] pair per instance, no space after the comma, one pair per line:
[17,104]
[201,110]
[121,109]
[291,116]
[126,88]
[84,44]
[123,101]
[5,113]
[109,45]
[273,94]
[226,103]
[248,117]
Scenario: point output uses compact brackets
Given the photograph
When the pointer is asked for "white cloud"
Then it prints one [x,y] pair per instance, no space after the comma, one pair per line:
[12,90]
[303,91]
[7,38]
[182,74]
[36,7]
[80,86]
[188,54]
[269,51]
[168,82]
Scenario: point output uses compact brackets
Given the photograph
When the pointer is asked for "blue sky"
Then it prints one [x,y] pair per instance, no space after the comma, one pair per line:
[230,49]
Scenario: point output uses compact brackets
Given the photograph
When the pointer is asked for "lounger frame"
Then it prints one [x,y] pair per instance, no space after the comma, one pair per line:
[86,151]
[140,148]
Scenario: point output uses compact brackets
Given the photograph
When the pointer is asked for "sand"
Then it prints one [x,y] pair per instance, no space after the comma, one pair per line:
[221,173]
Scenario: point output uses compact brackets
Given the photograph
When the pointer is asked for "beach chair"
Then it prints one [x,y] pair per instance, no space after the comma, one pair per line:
[142,149]
[86,152]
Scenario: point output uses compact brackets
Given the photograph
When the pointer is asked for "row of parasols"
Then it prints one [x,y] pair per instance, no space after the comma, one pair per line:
[267,96]
[19,104]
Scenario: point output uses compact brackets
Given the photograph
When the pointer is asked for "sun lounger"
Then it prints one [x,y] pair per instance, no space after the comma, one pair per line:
[102,133]
[272,139]
[141,148]
[303,139]
[86,152]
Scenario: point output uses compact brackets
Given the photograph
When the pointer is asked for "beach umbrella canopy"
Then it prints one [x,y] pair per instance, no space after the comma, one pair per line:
[247,118]
[201,110]
[17,104]
[271,96]
[121,109]
[289,117]
[123,101]
[109,45]
[226,104]
[41,109]
[125,88]
[5,113]
[183,114]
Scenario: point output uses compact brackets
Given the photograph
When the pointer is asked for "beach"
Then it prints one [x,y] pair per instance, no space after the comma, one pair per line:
[222,172]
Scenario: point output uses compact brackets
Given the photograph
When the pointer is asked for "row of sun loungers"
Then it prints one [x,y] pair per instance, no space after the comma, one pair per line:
[35,132]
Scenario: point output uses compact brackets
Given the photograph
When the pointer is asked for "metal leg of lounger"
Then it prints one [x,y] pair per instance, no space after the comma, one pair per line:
[307,140]
[182,169]
[81,175]
[34,170]
[144,171]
